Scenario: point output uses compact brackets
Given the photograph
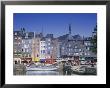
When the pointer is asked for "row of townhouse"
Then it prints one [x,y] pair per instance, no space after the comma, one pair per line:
[77,47]
[30,45]
[35,47]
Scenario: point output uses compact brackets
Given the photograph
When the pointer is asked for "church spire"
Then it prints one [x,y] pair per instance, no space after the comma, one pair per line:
[70,37]
[69,28]
[42,30]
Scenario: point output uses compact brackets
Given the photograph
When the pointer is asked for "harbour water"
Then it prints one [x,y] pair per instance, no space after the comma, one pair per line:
[21,71]
[67,70]
[39,73]
[44,73]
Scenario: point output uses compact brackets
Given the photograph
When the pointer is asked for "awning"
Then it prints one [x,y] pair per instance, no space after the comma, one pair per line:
[42,60]
[89,58]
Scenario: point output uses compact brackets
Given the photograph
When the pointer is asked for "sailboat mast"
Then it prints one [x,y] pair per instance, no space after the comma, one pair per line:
[34,46]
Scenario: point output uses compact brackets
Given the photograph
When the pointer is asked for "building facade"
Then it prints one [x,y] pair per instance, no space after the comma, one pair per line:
[42,50]
[36,49]
[26,48]
[49,49]
[17,43]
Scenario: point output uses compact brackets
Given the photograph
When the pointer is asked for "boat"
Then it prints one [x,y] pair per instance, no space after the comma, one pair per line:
[78,70]
[41,68]
[84,70]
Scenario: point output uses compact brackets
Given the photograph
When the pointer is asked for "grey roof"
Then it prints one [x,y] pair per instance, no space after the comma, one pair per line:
[43,39]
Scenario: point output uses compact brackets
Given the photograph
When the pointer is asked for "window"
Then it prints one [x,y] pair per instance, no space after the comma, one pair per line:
[88,53]
[18,50]
[15,38]
[25,46]
[28,46]
[37,55]
[85,53]
[43,51]
[80,53]
[29,55]
[75,46]
[48,43]
[27,50]
[23,50]
[19,43]
[76,53]
[75,50]
[86,43]
[48,56]
[48,39]
[22,41]
[15,33]
[79,49]
[62,47]
[48,52]
[29,41]
[69,45]
[19,38]
[88,48]
[15,51]
[48,47]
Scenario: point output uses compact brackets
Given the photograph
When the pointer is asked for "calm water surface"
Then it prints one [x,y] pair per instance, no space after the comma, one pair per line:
[44,73]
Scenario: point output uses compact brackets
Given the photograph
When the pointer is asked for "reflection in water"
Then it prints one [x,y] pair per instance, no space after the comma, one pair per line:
[64,71]
[43,73]
[40,73]
[58,72]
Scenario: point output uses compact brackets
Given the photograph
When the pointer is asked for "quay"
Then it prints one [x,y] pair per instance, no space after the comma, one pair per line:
[19,69]
[84,70]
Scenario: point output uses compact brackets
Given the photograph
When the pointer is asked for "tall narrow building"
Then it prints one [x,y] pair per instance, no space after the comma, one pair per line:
[70,36]
[36,48]
[69,29]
